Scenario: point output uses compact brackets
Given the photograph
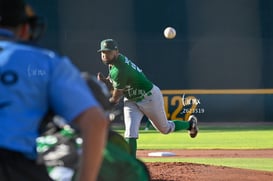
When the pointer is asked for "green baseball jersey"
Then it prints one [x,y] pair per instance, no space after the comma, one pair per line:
[126,75]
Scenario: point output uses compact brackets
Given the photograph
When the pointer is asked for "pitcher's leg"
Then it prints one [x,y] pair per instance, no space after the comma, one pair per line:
[132,120]
[132,142]
[153,107]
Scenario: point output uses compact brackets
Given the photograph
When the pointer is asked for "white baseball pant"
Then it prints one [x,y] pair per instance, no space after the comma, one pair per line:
[151,106]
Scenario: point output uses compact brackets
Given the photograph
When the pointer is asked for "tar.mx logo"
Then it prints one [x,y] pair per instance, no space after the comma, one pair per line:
[190,100]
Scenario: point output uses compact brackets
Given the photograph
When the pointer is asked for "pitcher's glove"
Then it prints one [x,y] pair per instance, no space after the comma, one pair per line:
[105,80]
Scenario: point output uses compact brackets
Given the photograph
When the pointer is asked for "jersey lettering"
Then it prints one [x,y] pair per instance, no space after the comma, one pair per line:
[134,66]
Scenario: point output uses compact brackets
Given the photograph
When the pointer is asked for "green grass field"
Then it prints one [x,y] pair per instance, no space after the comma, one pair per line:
[214,137]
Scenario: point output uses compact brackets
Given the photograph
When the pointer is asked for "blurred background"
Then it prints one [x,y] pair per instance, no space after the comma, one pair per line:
[220,44]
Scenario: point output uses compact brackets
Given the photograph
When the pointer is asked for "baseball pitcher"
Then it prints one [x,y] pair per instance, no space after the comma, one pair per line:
[141,96]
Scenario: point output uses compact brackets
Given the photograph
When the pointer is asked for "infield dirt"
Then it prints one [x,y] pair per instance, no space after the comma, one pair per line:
[178,171]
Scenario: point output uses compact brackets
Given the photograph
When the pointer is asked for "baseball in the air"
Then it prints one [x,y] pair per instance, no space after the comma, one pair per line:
[169,33]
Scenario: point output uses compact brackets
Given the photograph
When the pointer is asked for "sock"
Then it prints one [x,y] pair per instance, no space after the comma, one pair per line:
[181,125]
[132,145]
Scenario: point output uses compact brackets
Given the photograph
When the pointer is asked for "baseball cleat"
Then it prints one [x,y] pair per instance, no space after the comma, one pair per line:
[193,130]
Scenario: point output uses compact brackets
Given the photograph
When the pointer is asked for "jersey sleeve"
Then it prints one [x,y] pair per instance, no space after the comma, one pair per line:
[69,93]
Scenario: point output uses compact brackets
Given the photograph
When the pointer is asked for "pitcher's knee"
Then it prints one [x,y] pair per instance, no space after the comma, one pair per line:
[165,131]
[168,129]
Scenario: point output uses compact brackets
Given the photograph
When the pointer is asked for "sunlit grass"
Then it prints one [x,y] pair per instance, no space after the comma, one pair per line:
[254,137]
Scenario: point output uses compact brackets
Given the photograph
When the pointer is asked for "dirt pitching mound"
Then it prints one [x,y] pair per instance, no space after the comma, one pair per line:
[177,171]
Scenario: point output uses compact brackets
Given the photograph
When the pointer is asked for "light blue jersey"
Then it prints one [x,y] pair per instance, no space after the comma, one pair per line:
[32,80]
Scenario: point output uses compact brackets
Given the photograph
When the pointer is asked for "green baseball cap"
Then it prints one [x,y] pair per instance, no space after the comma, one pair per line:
[108,45]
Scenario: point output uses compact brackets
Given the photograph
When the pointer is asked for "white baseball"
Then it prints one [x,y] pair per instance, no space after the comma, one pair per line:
[169,33]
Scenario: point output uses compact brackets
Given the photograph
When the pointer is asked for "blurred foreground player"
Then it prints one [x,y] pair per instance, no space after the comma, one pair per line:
[33,81]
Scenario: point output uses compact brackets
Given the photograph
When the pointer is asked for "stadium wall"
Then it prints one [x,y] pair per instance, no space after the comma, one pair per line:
[220,45]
